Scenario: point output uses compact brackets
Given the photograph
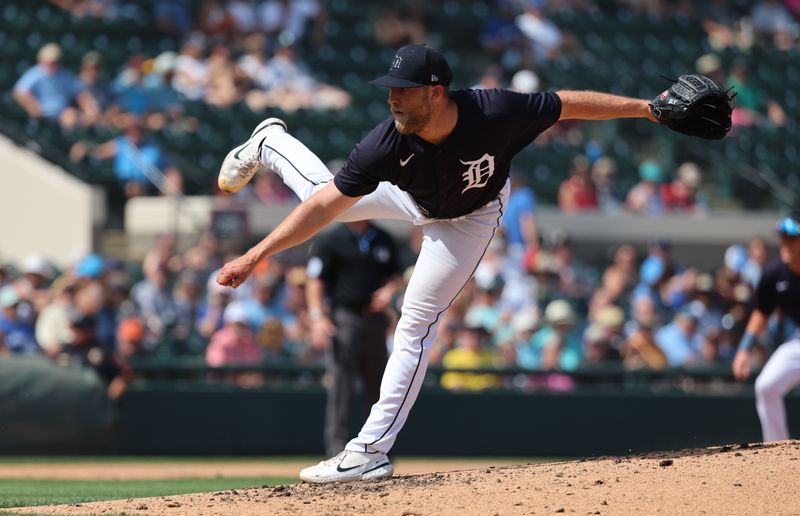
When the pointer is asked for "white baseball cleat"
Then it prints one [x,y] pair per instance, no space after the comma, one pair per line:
[349,466]
[243,161]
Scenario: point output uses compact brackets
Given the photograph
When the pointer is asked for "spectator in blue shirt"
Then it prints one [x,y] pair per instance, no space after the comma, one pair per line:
[519,222]
[680,340]
[19,334]
[47,91]
[138,163]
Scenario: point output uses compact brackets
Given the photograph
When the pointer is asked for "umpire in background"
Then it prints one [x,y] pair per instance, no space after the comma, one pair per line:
[353,275]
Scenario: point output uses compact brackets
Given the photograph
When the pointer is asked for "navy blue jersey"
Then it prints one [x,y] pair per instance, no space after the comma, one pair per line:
[779,288]
[468,169]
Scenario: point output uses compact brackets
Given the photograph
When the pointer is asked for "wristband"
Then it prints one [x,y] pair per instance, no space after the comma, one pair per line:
[316,315]
[748,341]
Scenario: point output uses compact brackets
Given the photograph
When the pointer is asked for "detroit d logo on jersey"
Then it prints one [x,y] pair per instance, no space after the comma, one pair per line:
[479,172]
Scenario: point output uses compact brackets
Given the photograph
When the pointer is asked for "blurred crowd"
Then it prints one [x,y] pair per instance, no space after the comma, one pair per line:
[233,52]
[532,304]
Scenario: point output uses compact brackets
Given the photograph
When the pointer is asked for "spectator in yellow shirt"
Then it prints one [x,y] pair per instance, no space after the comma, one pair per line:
[472,351]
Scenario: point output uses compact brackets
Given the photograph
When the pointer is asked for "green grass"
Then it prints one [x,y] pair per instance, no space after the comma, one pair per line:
[26,493]
[145,459]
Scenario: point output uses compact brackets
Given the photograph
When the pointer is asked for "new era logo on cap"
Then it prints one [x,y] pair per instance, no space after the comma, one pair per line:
[414,66]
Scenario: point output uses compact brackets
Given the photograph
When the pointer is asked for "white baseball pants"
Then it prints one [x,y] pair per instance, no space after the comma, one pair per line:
[780,375]
[451,250]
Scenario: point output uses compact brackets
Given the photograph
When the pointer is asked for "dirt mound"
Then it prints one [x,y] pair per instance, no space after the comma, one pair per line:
[741,479]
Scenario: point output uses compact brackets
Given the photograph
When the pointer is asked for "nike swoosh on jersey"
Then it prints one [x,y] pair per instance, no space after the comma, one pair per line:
[782,286]
[404,162]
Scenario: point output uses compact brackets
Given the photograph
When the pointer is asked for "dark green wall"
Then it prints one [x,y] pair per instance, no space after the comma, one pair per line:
[207,420]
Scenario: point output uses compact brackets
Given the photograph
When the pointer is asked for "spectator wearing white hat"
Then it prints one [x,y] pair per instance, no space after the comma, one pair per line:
[682,195]
[33,286]
[234,343]
[46,90]
[558,344]
[18,333]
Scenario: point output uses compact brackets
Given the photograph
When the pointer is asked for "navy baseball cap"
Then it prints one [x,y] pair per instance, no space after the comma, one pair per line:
[414,66]
[790,224]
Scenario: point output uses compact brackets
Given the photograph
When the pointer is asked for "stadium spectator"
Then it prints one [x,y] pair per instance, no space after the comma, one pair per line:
[173,16]
[47,91]
[544,36]
[299,89]
[234,343]
[266,302]
[83,350]
[244,16]
[681,194]
[186,295]
[210,316]
[720,22]
[730,275]
[191,72]
[93,300]
[519,220]
[503,39]
[639,350]
[138,163]
[525,81]
[577,193]
[97,92]
[621,276]
[34,285]
[472,351]
[557,345]
[285,20]
[644,197]
[226,81]
[52,324]
[575,279]
[757,256]
[772,24]
[215,20]
[710,65]
[165,103]
[395,27]
[154,303]
[492,78]
[610,199]
[255,63]
[753,107]
[18,331]
[680,340]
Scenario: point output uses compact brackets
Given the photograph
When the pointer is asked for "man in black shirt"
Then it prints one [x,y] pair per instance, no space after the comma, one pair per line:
[442,161]
[778,288]
[354,267]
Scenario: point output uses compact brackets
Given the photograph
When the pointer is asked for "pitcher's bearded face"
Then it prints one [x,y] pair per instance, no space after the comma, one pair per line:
[411,108]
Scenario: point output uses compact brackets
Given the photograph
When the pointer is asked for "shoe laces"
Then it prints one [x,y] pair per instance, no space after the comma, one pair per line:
[248,165]
[335,459]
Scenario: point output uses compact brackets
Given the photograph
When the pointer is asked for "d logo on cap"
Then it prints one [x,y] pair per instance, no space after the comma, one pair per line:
[414,66]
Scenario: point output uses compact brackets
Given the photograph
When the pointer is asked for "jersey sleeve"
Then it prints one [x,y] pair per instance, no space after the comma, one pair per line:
[360,173]
[529,114]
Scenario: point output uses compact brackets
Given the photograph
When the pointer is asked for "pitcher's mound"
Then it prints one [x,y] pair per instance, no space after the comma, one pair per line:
[739,479]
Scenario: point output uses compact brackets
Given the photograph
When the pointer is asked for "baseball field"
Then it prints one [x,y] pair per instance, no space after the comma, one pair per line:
[735,479]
